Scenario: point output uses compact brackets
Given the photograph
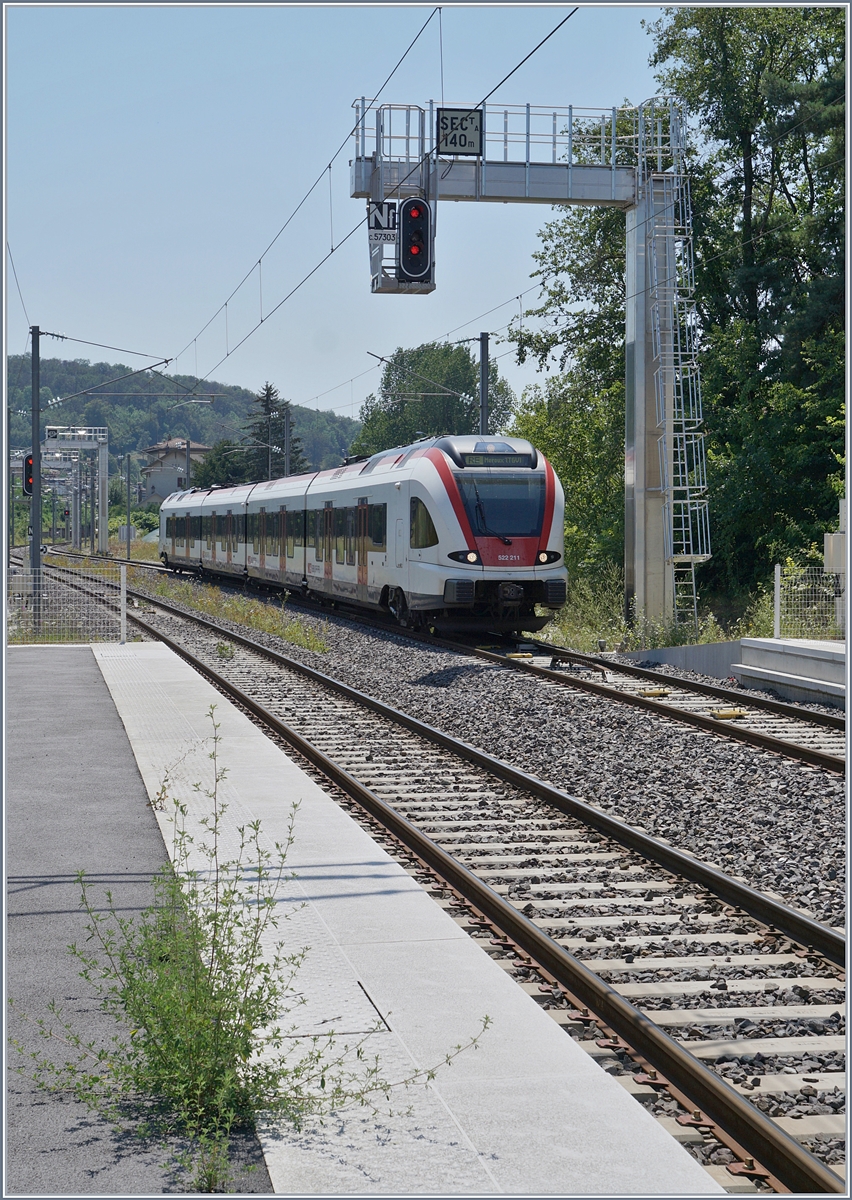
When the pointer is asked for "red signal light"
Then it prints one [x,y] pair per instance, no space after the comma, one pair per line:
[414,262]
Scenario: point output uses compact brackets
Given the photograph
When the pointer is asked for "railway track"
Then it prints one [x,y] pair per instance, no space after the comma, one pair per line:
[816,738]
[813,737]
[710,1001]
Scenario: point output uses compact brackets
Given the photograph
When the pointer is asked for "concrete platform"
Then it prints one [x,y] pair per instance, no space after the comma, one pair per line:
[527,1113]
[710,658]
[74,800]
[801,669]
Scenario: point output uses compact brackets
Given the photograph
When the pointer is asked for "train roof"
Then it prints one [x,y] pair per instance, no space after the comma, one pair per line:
[456,446]
[463,450]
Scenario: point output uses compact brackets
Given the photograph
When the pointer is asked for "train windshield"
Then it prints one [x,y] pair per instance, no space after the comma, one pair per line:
[503,505]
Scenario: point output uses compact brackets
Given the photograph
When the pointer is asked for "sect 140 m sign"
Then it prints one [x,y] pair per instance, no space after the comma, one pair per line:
[459,131]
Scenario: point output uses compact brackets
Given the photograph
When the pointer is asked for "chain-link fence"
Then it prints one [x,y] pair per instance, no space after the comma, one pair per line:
[57,604]
[809,603]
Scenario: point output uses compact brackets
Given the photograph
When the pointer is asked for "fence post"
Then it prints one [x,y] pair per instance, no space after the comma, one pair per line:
[776,621]
[123,634]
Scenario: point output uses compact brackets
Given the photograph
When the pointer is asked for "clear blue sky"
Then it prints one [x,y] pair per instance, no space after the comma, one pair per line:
[152,153]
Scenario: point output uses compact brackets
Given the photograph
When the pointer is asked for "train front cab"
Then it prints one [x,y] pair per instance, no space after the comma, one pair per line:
[494,550]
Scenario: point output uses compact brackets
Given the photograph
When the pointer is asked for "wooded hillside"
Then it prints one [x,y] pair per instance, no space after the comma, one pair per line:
[139,414]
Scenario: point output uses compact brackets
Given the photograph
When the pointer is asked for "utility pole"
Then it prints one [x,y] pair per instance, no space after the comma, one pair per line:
[53,517]
[287,439]
[483,384]
[92,494]
[188,464]
[269,417]
[35,501]
[127,530]
[11,477]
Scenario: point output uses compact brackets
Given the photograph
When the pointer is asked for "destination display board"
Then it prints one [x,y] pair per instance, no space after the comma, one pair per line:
[496,460]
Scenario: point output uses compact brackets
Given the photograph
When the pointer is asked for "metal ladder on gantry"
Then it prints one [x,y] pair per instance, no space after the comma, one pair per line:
[628,158]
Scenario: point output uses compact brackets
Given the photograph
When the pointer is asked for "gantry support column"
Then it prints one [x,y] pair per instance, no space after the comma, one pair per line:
[648,586]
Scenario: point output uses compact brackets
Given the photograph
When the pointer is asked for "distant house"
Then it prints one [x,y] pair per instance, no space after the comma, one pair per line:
[166,469]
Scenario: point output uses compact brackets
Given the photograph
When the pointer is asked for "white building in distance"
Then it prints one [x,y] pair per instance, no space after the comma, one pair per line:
[166,469]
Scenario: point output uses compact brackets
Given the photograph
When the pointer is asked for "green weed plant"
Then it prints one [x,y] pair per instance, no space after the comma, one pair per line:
[202,1047]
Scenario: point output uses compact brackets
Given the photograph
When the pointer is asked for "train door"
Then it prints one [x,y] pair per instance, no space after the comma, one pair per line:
[400,544]
[261,518]
[328,540]
[173,524]
[229,529]
[214,532]
[362,541]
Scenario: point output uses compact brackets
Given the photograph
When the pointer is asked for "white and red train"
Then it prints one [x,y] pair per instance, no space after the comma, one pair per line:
[456,533]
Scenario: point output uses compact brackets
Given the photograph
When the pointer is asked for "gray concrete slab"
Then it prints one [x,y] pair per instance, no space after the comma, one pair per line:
[74,800]
[527,1113]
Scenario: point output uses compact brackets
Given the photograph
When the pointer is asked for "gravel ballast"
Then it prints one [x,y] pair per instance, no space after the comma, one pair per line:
[776,823]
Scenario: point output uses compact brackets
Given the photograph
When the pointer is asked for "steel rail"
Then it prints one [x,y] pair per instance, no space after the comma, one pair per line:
[789,1162]
[688,685]
[796,925]
[762,741]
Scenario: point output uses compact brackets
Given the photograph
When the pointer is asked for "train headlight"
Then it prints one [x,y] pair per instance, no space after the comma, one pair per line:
[465,556]
[549,556]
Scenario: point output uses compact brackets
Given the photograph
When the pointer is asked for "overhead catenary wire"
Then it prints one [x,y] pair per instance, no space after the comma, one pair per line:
[64,337]
[440,338]
[93,390]
[307,194]
[230,350]
[18,286]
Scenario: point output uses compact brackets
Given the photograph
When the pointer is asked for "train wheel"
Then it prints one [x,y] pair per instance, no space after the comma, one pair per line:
[397,605]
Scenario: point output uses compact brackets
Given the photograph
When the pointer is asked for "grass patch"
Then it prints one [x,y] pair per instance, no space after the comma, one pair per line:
[140,550]
[594,613]
[201,1049]
[266,616]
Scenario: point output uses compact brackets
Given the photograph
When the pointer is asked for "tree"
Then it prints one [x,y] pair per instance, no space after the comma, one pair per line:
[582,434]
[224,465]
[142,413]
[265,435]
[577,417]
[432,389]
[764,87]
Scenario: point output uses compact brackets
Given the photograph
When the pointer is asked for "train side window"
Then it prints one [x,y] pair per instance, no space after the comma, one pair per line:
[423,532]
[340,534]
[207,529]
[313,532]
[170,528]
[220,528]
[195,529]
[351,527]
[255,530]
[377,525]
[237,525]
[290,519]
[271,534]
[319,523]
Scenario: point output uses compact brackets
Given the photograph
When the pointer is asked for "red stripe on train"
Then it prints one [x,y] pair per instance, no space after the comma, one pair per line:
[437,458]
[549,504]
